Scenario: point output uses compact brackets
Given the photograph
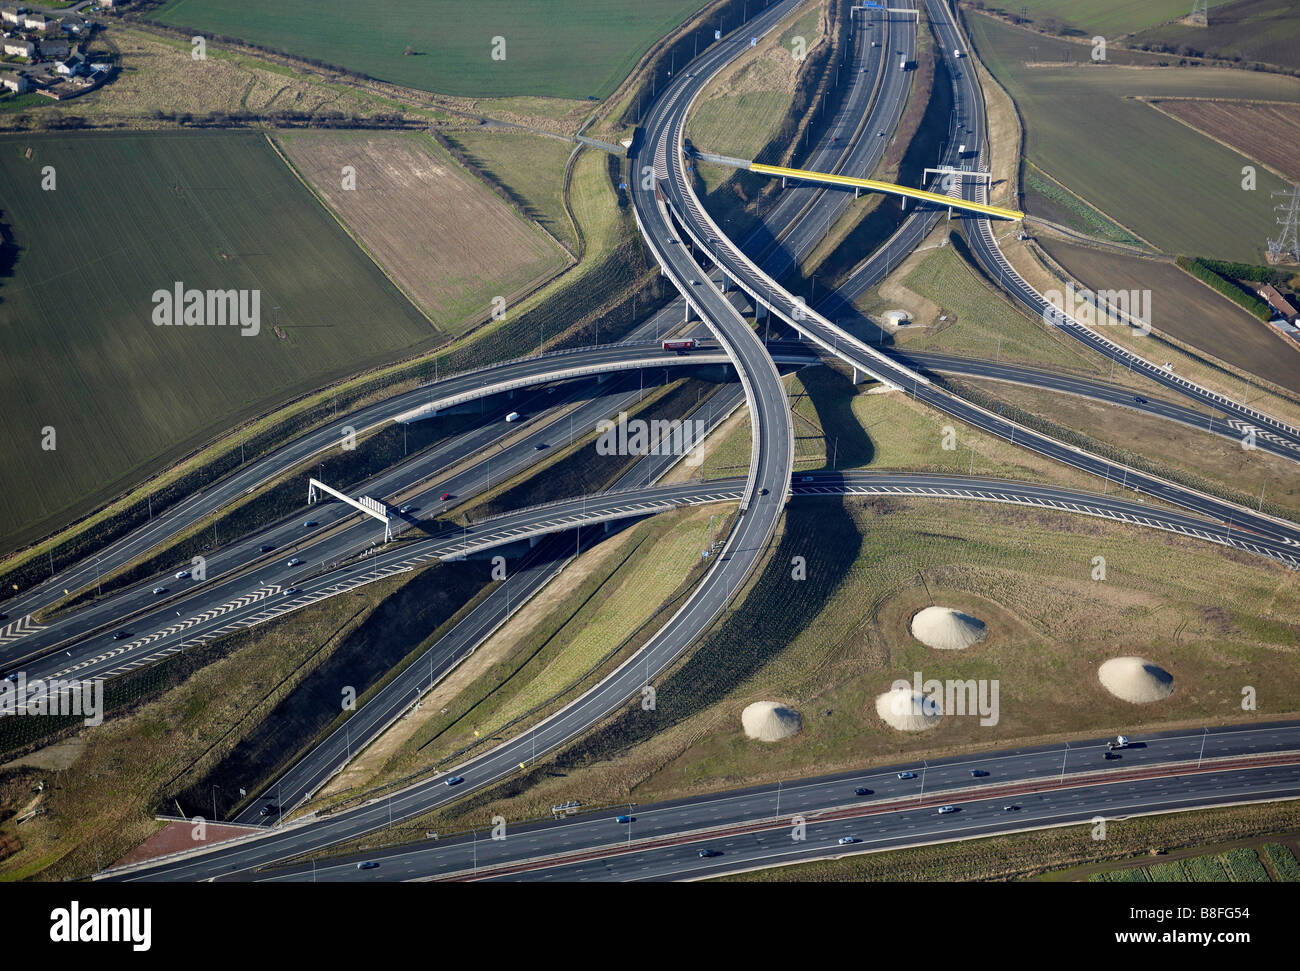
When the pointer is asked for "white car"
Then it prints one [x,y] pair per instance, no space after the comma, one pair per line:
[158,590]
[183,575]
[846,840]
[947,809]
[294,562]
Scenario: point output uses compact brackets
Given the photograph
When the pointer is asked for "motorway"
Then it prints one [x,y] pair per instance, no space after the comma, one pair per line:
[673,167]
[762,494]
[1049,784]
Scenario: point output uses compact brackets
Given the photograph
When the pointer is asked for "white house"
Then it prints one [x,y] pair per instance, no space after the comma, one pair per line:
[15,81]
[18,47]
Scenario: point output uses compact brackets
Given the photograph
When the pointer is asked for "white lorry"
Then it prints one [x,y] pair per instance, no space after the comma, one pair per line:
[1121,741]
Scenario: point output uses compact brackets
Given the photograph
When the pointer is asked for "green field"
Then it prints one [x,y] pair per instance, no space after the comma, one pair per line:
[1151,174]
[1249,30]
[1109,17]
[132,214]
[576,49]
[1241,865]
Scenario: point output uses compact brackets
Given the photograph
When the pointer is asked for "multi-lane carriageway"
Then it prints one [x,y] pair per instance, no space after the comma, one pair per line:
[752,487]
[1020,788]
[665,138]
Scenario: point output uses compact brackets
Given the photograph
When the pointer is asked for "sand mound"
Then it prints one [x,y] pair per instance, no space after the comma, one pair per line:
[769,722]
[908,710]
[1135,679]
[946,629]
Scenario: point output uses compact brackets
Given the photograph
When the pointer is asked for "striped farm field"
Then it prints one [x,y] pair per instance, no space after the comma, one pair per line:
[568,49]
[131,214]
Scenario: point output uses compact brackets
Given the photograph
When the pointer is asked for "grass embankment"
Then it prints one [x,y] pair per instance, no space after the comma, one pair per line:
[531,168]
[605,605]
[954,310]
[1176,446]
[839,425]
[760,108]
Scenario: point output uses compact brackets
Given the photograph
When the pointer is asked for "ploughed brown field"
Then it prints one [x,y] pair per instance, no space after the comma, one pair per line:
[1186,309]
[1267,132]
[447,240]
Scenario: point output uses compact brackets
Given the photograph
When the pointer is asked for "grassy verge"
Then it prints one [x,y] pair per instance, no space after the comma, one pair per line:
[1171,445]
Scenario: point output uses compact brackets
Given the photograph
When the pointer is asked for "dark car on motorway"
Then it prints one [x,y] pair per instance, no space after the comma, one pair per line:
[978,773]
[120,634]
[624,819]
[368,865]
[265,548]
[706,853]
[454,781]
[862,791]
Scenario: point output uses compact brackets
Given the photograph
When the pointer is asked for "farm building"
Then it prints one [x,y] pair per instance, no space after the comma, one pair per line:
[1278,303]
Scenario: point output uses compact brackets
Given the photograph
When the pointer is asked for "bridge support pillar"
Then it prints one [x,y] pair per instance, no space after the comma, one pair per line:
[856,190]
[857,378]
[533,541]
[686,316]
[607,525]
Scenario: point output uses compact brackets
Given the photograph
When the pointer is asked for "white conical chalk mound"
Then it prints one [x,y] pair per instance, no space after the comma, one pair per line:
[908,710]
[1135,679]
[946,629]
[769,722]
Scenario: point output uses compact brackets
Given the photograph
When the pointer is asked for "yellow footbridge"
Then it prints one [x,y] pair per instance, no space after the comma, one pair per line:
[870,185]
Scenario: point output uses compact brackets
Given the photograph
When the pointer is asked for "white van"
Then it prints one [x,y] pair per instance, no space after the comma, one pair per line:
[513,416]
